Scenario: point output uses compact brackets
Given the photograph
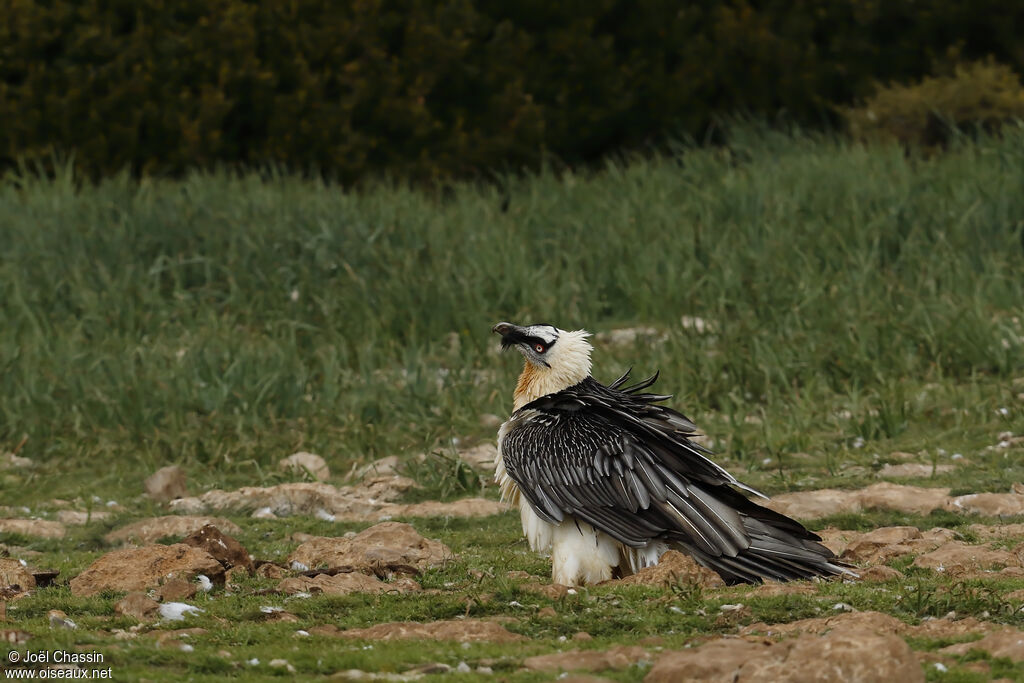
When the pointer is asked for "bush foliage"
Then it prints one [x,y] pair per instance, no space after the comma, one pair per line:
[925,114]
[437,89]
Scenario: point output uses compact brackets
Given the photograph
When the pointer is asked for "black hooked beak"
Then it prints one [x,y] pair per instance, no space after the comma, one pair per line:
[510,334]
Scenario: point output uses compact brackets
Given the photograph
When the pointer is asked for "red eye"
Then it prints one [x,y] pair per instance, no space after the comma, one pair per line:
[539,348]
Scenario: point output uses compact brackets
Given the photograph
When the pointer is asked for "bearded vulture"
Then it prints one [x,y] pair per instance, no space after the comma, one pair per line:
[606,480]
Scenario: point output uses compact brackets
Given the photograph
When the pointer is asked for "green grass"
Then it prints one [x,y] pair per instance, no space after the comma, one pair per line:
[862,301]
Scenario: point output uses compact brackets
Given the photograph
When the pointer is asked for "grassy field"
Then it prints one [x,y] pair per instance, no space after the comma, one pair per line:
[858,302]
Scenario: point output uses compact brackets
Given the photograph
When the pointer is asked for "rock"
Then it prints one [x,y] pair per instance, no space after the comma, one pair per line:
[907,470]
[466,507]
[902,455]
[281,664]
[176,590]
[989,504]
[837,540]
[388,466]
[873,622]
[14,637]
[693,323]
[717,660]
[884,544]
[551,591]
[32,527]
[547,612]
[490,421]
[343,584]
[301,463]
[221,547]
[888,496]
[138,569]
[12,460]
[839,656]
[269,570]
[628,336]
[59,619]
[166,484]
[948,628]
[673,568]
[871,541]
[388,544]
[986,532]
[879,573]
[15,577]
[957,554]
[1006,642]
[582,636]
[461,630]
[350,503]
[175,636]
[621,657]
[480,457]
[137,605]
[814,504]
[170,526]
[883,495]
[78,518]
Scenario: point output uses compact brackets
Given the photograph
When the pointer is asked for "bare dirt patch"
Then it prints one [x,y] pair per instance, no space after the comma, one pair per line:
[343,584]
[138,569]
[302,462]
[621,657]
[889,496]
[371,500]
[40,528]
[460,630]
[672,569]
[1007,642]
[169,526]
[956,555]
[840,655]
[384,545]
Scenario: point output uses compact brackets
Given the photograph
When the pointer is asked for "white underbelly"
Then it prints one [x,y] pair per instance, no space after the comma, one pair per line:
[580,554]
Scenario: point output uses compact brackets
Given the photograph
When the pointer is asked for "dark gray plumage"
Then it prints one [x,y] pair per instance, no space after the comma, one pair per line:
[611,457]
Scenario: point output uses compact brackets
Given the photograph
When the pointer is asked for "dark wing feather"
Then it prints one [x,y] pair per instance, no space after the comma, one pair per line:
[612,458]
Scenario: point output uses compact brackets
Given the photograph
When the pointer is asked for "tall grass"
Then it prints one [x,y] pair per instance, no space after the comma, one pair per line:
[221,319]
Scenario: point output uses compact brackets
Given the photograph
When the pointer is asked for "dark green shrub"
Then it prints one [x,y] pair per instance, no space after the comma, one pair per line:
[430,90]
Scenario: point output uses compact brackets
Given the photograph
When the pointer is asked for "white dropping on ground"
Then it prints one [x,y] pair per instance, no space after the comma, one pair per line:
[299,567]
[253,662]
[268,609]
[324,515]
[205,584]
[185,647]
[177,611]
